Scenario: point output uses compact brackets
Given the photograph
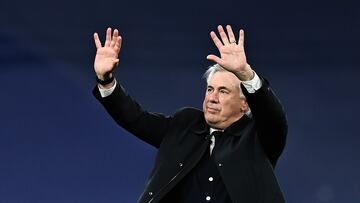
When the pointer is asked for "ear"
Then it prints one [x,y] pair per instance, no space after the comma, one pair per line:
[244,106]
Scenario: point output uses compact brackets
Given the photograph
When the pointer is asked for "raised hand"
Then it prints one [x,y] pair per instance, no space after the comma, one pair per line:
[107,56]
[232,54]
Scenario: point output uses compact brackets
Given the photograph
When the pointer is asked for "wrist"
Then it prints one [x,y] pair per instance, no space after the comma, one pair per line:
[104,76]
[105,80]
[247,74]
[108,86]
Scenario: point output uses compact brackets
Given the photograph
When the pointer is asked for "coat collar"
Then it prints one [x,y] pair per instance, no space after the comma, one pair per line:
[235,128]
[202,128]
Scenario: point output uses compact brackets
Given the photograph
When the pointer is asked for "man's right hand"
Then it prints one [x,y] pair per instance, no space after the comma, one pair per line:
[107,56]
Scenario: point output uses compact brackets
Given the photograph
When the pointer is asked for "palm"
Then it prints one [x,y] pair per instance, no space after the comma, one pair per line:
[106,58]
[232,57]
[232,54]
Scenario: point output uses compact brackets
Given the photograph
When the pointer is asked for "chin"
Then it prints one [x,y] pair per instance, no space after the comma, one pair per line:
[211,120]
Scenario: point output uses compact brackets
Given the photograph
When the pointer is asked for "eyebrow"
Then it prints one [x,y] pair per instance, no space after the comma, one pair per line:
[220,88]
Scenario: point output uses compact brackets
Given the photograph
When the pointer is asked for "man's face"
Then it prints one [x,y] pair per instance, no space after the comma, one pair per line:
[222,103]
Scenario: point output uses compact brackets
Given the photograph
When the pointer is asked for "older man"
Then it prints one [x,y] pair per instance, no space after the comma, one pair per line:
[225,153]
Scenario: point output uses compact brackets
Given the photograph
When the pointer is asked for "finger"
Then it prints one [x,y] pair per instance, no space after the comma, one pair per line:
[108,37]
[214,58]
[241,37]
[216,40]
[97,41]
[114,38]
[118,44]
[223,35]
[232,39]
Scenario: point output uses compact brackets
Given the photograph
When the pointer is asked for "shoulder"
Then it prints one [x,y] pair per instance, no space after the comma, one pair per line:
[188,112]
[188,115]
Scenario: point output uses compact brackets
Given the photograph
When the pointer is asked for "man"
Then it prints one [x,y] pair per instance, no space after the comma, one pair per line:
[225,153]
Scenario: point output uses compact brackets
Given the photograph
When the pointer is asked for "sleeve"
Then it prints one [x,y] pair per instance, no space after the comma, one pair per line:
[149,127]
[270,119]
[253,84]
[106,92]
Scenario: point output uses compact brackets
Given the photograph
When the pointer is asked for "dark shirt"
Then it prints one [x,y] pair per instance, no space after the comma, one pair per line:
[203,184]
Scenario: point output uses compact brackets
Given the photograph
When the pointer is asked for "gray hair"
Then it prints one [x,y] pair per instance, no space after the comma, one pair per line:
[217,68]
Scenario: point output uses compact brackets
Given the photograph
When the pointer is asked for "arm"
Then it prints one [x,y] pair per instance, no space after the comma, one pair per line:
[267,111]
[270,119]
[150,127]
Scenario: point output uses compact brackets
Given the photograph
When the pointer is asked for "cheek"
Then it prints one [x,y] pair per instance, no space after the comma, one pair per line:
[204,107]
[206,100]
[229,106]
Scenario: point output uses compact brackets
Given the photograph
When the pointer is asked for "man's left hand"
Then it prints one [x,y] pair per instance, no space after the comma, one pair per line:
[232,53]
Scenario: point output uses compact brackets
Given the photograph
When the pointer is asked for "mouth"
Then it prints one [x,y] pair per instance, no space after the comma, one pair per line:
[212,110]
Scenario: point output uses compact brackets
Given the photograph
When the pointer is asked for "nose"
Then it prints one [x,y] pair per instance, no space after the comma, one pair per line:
[213,97]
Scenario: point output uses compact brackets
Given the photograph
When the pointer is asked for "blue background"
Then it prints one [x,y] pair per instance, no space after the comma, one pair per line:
[57,144]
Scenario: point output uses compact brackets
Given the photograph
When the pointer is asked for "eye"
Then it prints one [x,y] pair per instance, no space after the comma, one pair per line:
[224,91]
[208,89]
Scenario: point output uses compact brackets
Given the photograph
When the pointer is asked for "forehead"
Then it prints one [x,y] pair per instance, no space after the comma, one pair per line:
[224,79]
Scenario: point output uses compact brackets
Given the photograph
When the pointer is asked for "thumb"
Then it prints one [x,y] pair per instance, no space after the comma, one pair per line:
[214,58]
[116,62]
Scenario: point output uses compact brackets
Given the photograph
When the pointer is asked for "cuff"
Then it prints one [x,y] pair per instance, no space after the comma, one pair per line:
[106,92]
[253,84]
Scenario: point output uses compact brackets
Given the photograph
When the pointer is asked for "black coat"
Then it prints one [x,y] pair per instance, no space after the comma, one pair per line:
[245,156]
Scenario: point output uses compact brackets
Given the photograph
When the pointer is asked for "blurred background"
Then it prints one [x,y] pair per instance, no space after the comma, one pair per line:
[57,143]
